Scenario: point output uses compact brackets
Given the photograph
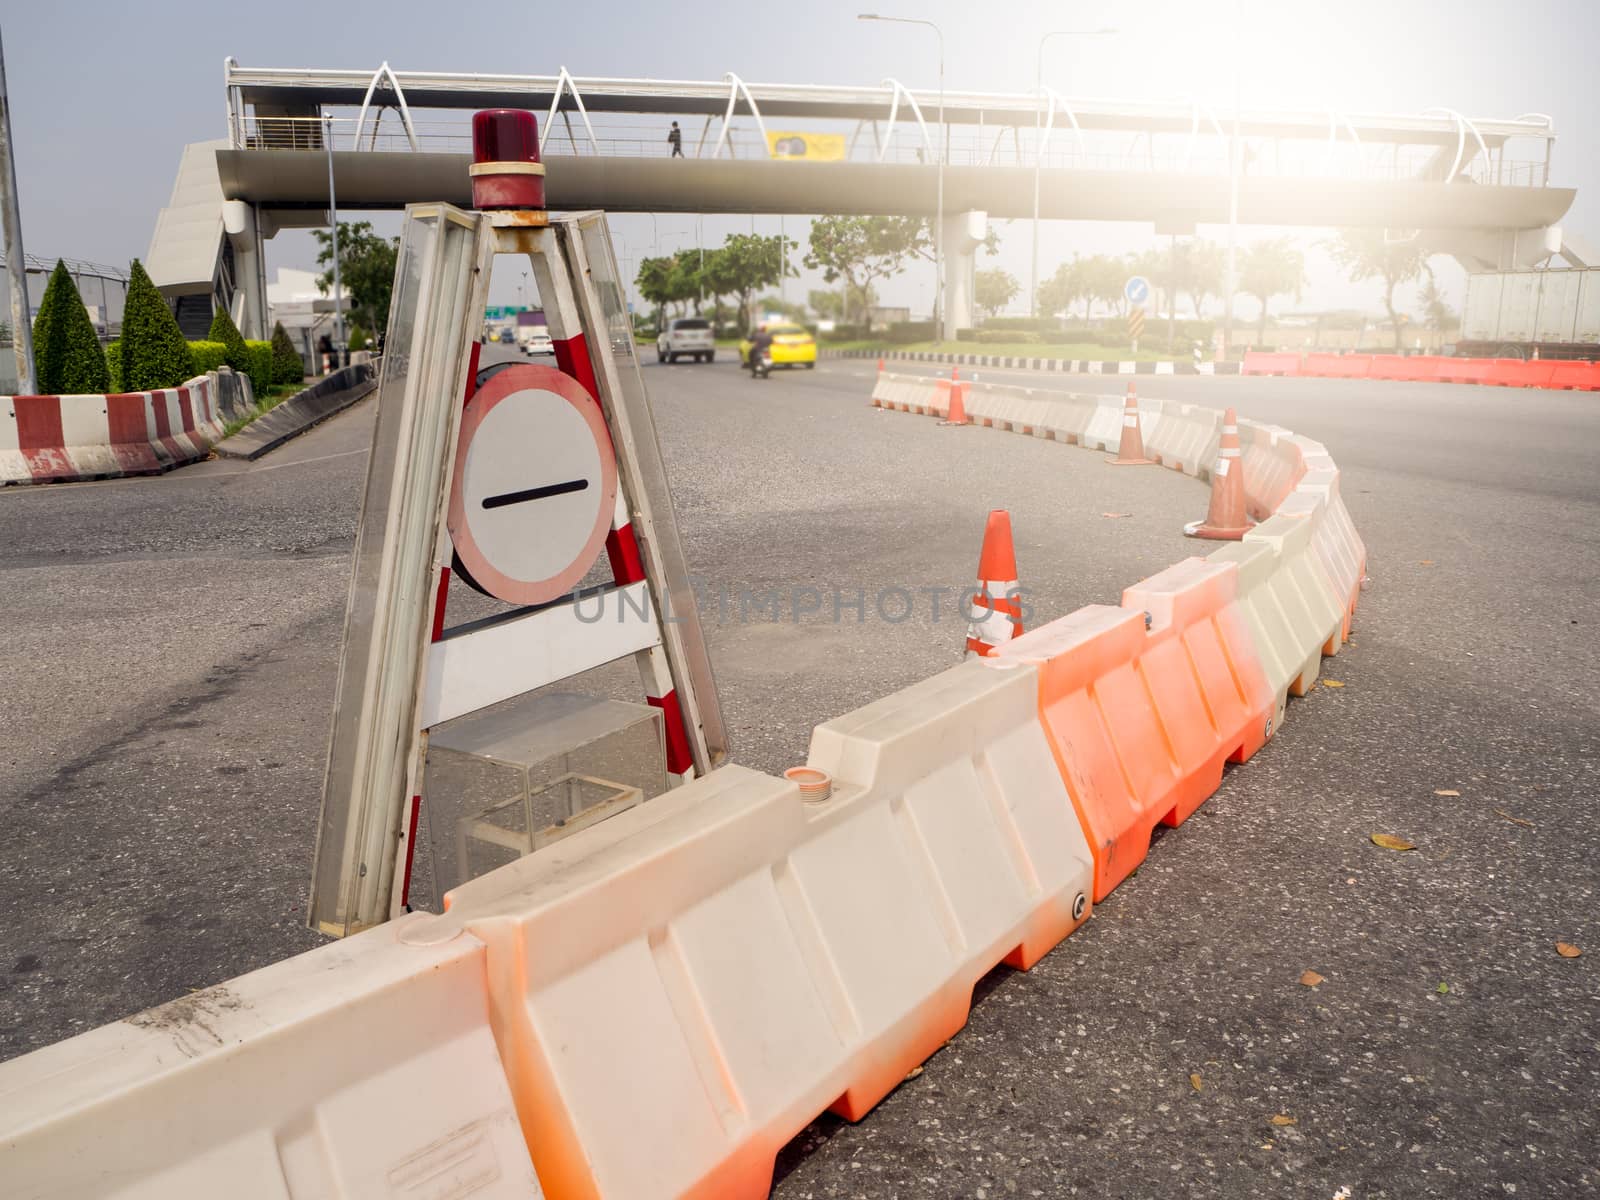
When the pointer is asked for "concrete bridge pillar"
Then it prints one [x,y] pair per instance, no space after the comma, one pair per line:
[963,234]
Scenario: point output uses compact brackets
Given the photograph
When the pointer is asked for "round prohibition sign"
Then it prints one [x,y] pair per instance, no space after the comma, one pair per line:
[535,485]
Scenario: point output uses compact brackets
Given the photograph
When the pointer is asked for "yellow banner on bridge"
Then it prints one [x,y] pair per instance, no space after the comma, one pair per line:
[816,147]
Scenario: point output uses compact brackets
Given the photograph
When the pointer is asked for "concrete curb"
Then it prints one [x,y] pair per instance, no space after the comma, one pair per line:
[1060,366]
[327,397]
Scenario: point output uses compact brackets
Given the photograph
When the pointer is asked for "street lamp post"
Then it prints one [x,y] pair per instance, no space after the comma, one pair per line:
[944,144]
[1038,150]
[333,217]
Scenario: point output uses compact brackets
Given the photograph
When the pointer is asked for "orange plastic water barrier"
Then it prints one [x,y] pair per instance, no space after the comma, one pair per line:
[1142,719]
[1257,362]
[681,989]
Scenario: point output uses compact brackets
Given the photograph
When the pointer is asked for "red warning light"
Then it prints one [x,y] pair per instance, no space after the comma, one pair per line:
[506,171]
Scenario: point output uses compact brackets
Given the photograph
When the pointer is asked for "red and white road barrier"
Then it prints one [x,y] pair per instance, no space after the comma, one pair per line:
[51,439]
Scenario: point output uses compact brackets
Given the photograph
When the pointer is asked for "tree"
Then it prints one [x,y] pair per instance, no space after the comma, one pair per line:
[788,308]
[861,250]
[654,281]
[1063,289]
[993,290]
[1271,268]
[1198,271]
[67,355]
[1369,254]
[831,306]
[225,331]
[1102,278]
[1437,315]
[366,270]
[153,351]
[744,263]
[287,366]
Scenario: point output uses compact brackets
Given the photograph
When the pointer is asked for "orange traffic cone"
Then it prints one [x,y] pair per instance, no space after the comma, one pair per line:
[1225,517]
[955,373]
[996,615]
[957,412]
[880,364]
[1131,451]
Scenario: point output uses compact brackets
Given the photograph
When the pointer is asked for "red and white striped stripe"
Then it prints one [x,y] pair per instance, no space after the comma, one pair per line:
[47,439]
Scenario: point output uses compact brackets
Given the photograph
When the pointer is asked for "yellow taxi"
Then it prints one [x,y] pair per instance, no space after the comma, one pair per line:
[792,346]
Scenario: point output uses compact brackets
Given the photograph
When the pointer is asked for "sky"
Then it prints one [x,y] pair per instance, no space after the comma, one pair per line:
[104,95]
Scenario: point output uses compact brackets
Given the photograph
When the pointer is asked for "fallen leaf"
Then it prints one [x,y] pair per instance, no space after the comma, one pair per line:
[1389,842]
[1114,515]
[1445,792]
[1514,820]
[1444,988]
[1281,1119]
[1427,562]
[1311,979]
[1567,950]
[1331,683]
[914,1072]
[1194,1082]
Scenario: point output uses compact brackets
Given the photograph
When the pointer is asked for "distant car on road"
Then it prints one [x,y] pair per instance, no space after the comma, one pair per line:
[792,346]
[535,339]
[507,337]
[690,337]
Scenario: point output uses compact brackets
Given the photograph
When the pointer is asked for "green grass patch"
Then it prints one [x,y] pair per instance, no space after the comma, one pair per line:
[265,403]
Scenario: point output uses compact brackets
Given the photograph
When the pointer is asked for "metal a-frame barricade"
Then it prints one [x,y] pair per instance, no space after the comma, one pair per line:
[438,503]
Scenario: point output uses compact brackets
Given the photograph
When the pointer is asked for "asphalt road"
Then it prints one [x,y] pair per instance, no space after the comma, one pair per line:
[171,662]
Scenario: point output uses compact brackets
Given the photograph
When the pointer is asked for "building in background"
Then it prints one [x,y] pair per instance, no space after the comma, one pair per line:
[296,302]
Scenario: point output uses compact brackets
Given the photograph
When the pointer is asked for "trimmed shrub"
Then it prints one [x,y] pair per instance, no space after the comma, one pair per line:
[114,365]
[1027,324]
[66,348]
[208,356]
[1006,337]
[359,339]
[154,352]
[225,331]
[903,333]
[966,335]
[847,333]
[259,366]
[286,364]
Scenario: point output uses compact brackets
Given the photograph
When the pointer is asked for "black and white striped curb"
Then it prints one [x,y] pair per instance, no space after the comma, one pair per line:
[1066,366]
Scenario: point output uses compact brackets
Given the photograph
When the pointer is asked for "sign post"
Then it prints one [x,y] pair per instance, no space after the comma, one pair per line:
[1137,291]
[519,482]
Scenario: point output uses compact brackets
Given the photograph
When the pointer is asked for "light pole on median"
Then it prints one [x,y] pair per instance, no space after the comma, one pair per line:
[333,220]
[944,143]
[1038,150]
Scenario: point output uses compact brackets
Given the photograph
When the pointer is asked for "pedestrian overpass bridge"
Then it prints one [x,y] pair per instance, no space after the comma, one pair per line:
[1478,189]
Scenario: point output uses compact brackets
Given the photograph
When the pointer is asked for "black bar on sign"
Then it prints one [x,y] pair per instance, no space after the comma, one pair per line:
[538,493]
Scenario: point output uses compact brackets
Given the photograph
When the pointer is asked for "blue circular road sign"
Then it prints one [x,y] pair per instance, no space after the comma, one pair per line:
[1137,289]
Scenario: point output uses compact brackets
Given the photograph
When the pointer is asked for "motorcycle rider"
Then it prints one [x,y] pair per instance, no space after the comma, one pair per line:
[760,349]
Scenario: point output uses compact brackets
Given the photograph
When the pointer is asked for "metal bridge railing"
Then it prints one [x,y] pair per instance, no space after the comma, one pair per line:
[383,132]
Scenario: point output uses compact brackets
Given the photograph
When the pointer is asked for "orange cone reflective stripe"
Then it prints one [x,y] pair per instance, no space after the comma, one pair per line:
[996,614]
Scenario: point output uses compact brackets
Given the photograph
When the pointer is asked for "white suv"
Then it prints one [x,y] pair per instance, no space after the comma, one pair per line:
[690,337]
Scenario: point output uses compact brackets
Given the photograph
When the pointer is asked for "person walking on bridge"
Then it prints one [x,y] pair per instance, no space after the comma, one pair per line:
[675,136]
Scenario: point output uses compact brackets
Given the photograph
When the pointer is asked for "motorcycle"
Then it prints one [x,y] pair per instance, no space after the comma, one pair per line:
[760,366]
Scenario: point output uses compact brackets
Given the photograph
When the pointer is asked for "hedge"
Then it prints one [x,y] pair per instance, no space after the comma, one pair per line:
[903,333]
[260,366]
[1024,324]
[208,356]
[67,353]
[154,352]
[1007,337]
[114,365]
